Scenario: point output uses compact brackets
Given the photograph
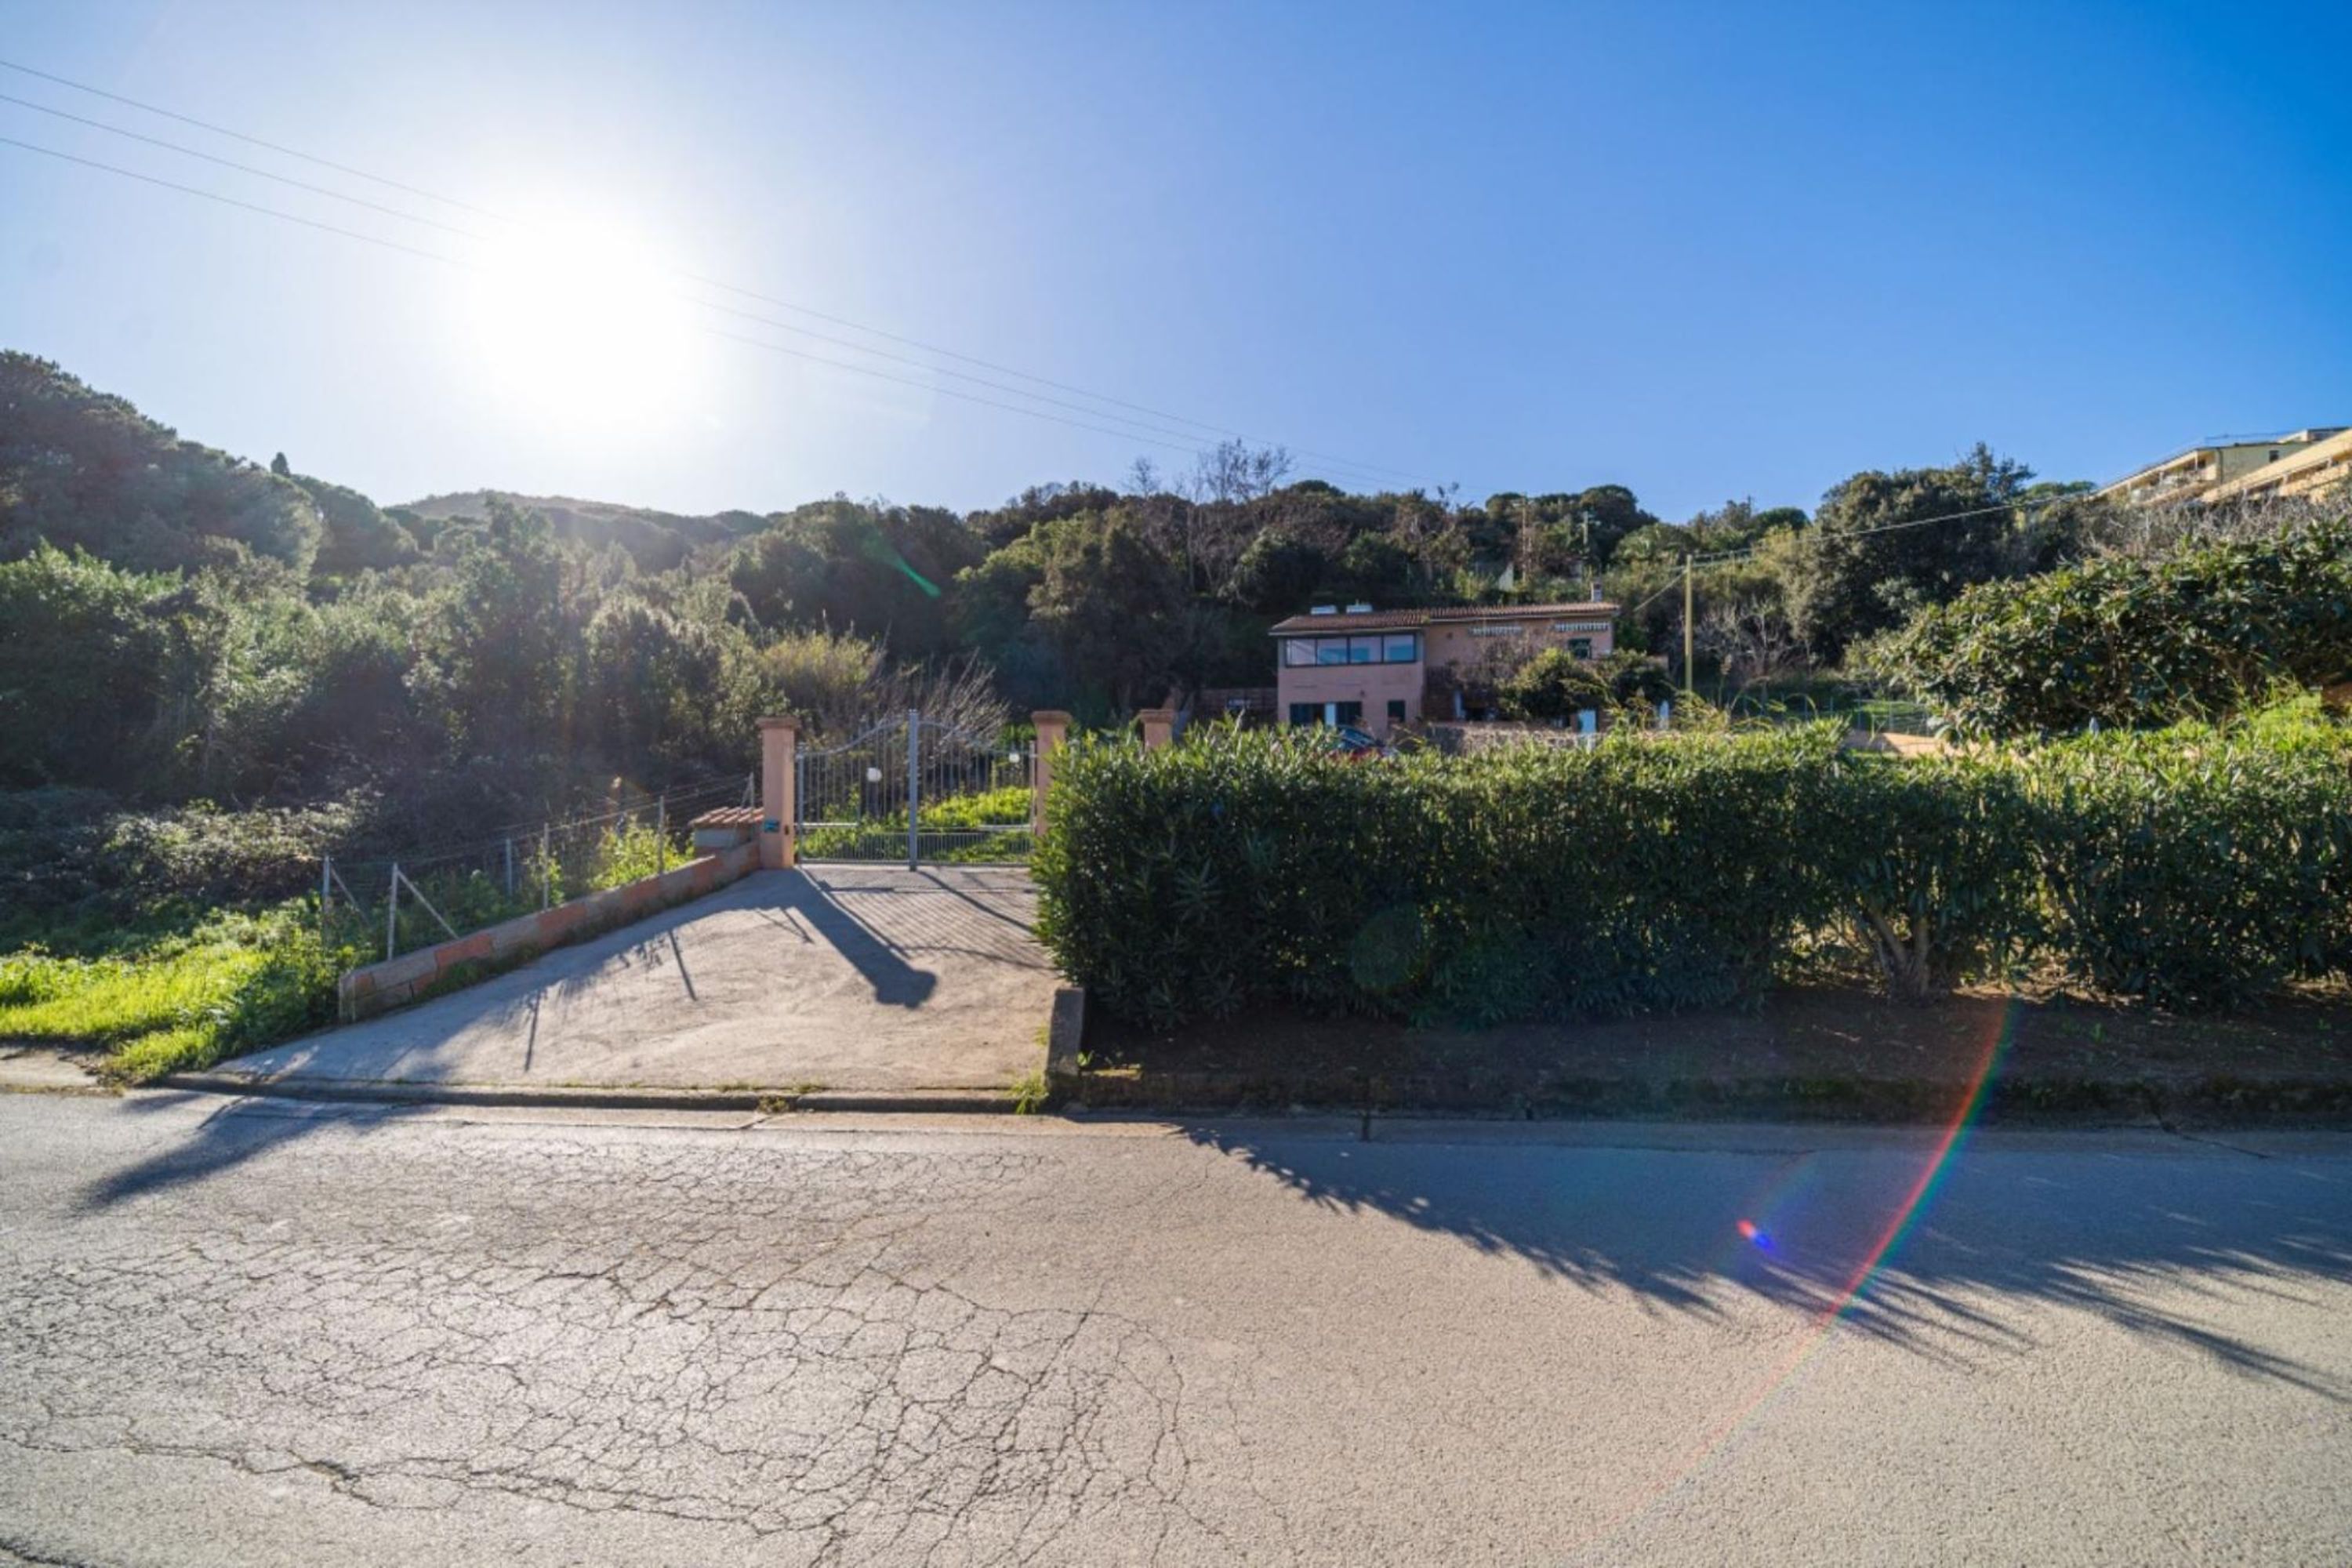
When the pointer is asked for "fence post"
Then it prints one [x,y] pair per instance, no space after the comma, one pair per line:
[1159,727]
[326,897]
[509,867]
[779,753]
[1053,730]
[661,835]
[914,787]
[392,914]
[546,870]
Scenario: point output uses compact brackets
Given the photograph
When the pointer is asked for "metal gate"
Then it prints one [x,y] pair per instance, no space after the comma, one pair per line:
[914,789]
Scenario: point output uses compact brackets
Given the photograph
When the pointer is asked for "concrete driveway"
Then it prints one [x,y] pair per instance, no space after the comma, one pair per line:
[848,977]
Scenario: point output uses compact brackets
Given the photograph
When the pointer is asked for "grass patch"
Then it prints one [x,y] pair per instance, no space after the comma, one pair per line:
[233,985]
[1030,1093]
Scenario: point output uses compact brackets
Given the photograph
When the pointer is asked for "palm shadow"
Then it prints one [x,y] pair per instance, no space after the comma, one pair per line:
[1833,1234]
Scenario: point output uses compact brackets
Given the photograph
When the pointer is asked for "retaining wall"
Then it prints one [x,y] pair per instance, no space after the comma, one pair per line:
[378,987]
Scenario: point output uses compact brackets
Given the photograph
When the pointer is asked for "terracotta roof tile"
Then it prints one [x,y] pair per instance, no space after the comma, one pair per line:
[1382,620]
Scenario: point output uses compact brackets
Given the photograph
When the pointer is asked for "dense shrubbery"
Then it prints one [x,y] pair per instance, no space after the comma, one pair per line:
[2193,867]
[2126,641]
[2196,867]
[1250,866]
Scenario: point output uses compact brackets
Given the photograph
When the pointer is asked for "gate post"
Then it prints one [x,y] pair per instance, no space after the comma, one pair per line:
[1159,727]
[914,788]
[1053,730]
[779,747]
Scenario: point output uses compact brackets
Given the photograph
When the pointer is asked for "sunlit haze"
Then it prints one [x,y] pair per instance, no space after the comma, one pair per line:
[1705,252]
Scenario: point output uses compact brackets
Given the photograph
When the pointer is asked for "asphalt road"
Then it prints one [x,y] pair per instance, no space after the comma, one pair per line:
[279,1333]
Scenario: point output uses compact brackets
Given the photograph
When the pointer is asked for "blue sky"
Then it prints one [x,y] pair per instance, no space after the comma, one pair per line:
[1703,251]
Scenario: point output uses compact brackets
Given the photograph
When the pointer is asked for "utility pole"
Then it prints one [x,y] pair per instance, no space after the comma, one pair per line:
[1689,676]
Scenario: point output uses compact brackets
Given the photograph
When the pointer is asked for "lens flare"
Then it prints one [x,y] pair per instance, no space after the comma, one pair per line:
[1905,1216]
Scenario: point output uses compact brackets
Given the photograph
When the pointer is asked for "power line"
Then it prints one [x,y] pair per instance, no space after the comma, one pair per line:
[232,201]
[1182,436]
[254,140]
[244,168]
[1328,460]
[465,265]
[1727,557]
[704,304]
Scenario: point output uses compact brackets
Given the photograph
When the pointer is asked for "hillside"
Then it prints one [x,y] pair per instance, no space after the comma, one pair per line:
[657,541]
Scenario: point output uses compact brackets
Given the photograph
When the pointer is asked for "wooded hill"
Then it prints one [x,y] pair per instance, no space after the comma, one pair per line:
[188,623]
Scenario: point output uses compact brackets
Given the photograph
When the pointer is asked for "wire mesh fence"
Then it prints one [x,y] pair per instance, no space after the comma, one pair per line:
[382,905]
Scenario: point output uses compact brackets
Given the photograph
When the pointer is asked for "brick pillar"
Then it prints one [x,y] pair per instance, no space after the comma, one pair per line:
[1053,730]
[1159,727]
[779,750]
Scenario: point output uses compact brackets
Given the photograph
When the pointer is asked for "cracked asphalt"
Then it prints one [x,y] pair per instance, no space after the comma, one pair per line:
[251,1333]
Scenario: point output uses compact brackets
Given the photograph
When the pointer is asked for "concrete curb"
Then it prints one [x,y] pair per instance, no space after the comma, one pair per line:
[377,1092]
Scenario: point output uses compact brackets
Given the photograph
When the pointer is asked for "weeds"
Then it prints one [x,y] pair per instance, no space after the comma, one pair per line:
[234,984]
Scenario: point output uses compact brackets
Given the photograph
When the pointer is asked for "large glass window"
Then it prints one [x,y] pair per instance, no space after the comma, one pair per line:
[1306,713]
[1390,647]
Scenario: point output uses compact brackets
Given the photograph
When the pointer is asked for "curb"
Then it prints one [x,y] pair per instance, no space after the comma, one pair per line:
[378,1091]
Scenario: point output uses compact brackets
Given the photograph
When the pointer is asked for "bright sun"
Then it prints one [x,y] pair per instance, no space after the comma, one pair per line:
[586,326]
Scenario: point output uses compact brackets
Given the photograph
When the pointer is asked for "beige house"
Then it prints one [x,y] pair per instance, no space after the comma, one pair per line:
[2195,474]
[2303,471]
[1371,667]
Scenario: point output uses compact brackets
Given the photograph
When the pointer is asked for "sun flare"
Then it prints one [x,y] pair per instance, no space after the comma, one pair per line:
[582,325]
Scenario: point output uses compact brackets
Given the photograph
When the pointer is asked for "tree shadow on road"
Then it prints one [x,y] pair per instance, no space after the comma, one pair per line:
[1833,1233]
[231,1132]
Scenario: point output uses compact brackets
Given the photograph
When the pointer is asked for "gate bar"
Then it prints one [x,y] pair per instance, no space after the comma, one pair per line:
[914,787]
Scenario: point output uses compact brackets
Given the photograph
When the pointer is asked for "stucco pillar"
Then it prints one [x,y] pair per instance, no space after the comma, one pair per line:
[778,751]
[1053,730]
[1159,727]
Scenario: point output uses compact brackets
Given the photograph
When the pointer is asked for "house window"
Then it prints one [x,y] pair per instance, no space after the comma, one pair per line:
[1580,647]
[1347,712]
[1396,710]
[1305,713]
[1393,647]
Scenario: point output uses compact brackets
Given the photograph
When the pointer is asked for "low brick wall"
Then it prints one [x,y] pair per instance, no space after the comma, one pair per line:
[379,988]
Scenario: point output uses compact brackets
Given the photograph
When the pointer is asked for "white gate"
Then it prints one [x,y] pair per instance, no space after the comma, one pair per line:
[914,789]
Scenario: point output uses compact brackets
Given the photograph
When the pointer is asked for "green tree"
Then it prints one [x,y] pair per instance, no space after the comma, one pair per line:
[497,657]
[1277,572]
[1873,555]
[1111,603]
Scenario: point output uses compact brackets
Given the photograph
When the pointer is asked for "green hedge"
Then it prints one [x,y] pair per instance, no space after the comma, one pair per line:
[1653,872]
[2192,867]
[1246,867]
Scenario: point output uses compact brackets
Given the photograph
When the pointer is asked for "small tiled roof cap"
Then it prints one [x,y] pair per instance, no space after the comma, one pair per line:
[729,816]
[1383,620]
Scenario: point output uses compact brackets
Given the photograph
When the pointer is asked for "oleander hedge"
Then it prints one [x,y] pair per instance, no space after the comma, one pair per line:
[2196,867]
